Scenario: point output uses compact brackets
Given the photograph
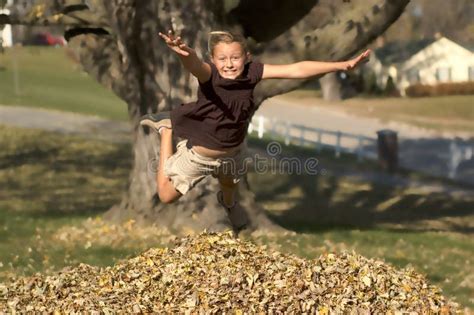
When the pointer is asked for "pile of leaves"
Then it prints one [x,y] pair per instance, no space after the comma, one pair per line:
[215,273]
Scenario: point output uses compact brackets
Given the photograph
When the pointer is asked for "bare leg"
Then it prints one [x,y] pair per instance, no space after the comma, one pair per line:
[237,214]
[164,186]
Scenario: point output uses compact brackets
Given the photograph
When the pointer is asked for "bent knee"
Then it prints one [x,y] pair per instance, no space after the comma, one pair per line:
[166,197]
[166,192]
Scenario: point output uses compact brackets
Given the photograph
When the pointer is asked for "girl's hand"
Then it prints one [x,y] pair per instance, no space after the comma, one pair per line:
[363,57]
[176,44]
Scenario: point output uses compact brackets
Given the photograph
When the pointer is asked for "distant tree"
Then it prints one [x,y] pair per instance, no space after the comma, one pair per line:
[425,18]
[369,82]
[331,87]
[2,26]
[390,88]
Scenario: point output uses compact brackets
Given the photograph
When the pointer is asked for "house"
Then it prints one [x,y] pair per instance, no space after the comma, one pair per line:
[426,61]
[6,38]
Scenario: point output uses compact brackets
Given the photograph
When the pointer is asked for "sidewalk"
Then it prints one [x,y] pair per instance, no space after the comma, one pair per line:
[65,122]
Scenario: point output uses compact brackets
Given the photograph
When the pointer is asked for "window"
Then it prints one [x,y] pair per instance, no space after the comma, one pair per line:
[443,74]
[414,76]
[471,73]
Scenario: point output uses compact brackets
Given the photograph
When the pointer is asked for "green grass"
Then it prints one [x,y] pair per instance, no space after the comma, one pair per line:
[52,184]
[444,113]
[49,181]
[332,199]
[48,78]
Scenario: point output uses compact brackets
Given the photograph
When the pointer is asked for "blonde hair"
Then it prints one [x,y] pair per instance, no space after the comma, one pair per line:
[217,37]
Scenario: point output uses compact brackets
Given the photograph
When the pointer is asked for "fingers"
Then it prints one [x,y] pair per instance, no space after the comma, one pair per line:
[178,41]
[167,38]
[186,50]
[171,35]
[170,38]
[175,43]
[363,57]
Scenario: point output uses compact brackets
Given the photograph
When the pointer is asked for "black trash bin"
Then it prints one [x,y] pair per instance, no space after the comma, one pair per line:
[387,144]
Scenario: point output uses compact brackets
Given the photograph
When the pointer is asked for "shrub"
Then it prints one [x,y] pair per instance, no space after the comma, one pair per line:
[458,88]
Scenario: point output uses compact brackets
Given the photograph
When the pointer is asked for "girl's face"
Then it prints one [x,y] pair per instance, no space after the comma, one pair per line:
[229,59]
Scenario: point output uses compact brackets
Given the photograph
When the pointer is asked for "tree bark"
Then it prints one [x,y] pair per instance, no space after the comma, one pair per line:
[116,41]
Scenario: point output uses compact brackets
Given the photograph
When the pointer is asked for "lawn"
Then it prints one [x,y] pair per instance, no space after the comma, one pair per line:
[54,188]
[48,78]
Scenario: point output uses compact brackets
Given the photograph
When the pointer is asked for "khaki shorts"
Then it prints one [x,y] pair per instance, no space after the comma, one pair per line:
[186,168]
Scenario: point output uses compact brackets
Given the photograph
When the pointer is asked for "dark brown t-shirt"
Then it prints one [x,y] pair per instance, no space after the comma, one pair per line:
[220,117]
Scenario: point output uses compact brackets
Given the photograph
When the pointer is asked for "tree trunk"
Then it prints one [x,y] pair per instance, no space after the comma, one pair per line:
[331,87]
[159,82]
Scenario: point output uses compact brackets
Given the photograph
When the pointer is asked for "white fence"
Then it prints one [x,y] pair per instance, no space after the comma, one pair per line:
[362,146]
[458,154]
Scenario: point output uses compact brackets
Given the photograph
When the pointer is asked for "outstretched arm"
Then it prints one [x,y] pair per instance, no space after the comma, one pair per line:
[188,56]
[306,69]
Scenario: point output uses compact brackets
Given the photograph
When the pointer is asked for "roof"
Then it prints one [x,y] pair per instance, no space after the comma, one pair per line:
[400,51]
[470,47]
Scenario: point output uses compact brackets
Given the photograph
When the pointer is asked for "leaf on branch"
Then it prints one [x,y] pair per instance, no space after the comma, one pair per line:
[37,11]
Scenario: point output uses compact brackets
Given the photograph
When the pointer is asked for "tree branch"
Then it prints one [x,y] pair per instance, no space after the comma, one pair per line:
[100,58]
[45,14]
[354,26]
[255,20]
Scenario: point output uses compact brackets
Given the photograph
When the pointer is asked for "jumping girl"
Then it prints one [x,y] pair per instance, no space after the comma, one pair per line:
[214,127]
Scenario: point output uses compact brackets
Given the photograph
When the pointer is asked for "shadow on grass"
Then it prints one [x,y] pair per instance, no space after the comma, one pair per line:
[49,175]
[310,203]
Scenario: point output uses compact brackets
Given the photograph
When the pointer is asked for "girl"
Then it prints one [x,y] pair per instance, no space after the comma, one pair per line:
[214,127]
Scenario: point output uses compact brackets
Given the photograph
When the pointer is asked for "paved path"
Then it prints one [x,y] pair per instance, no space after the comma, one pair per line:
[334,119]
[65,122]
[419,149]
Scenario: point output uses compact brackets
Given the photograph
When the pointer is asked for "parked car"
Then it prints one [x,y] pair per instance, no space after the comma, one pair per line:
[45,39]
